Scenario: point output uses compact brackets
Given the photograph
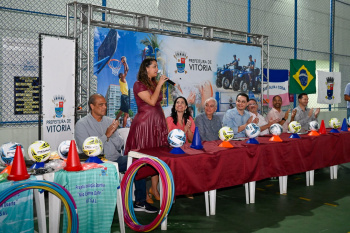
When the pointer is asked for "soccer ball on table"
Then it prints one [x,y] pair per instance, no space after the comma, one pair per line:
[92,146]
[252,130]
[294,127]
[276,129]
[226,133]
[334,123]
[7,152]
[63,149]
[39,151]
[176,138]
[314,125]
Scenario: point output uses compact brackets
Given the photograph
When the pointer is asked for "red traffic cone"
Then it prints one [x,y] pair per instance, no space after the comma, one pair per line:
[19,169]
[322,129]
[73,161]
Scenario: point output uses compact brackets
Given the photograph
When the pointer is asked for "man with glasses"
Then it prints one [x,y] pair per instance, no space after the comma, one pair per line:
[277,114]
[238,118]
[258,118]
[208,123]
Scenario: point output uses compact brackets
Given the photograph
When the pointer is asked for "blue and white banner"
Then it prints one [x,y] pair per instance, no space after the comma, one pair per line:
[58,89]
[200,68]
[278,85]
[329,87]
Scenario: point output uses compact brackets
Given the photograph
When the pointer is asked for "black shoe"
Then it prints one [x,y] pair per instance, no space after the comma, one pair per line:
[144,206]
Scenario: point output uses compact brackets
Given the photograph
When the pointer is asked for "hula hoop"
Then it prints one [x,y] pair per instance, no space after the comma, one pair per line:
[54,188]
[168,193]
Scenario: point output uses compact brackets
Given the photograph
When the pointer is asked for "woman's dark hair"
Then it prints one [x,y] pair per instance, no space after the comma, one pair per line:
[187,113]
[142,75]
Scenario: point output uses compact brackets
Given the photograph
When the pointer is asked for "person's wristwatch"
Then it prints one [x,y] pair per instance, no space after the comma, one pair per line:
[284,119]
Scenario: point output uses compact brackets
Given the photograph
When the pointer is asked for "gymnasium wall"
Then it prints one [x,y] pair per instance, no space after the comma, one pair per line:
[23,20]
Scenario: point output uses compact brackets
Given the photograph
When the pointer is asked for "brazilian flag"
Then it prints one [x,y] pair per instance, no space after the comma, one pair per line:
[302,77]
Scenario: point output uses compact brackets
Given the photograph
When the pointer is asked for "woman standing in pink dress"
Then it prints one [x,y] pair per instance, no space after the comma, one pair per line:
[148,128]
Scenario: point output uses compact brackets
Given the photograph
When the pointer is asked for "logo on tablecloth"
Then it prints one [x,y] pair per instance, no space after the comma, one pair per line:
[104,172]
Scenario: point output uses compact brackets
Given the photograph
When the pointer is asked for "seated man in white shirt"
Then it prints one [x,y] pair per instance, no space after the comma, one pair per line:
[258,118]
[277,113]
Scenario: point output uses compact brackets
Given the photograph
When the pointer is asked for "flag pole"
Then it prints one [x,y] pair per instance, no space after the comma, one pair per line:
[331,38]
[295,40]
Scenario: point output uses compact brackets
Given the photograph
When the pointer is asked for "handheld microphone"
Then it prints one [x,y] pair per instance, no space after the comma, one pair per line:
[171,82]
[168,81]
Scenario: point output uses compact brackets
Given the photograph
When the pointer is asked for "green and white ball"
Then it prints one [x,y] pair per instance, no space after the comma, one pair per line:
[226,133]
[39,151]
[92,146]
[294,127]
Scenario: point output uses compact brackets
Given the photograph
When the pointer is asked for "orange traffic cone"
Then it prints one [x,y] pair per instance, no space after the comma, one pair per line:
[73,161]
[19,169]
[7,169]
[313,133]
[322,129]
[226,144]
[275,138]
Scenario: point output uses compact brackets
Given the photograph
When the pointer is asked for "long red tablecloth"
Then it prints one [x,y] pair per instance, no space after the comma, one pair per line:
[214,167]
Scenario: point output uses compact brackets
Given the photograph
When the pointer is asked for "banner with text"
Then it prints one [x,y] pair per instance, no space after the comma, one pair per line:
[58,88]
[199,68]
[278,85]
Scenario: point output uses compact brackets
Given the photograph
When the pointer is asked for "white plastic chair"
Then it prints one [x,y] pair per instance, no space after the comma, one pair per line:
[124,132]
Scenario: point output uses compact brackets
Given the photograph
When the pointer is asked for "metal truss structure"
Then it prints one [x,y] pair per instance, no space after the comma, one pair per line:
[82,18]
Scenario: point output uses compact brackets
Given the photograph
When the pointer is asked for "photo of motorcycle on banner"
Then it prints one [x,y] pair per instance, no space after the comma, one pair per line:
[221,69]
[240,78]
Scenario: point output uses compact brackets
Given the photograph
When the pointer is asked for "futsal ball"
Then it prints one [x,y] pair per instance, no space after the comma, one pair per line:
[314,125]
[176,138]
[334,123]
[226,133]
[63,149]
[92,146]
[7,152]
[276,129]
[294,127]
[252,130]
[39,151]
